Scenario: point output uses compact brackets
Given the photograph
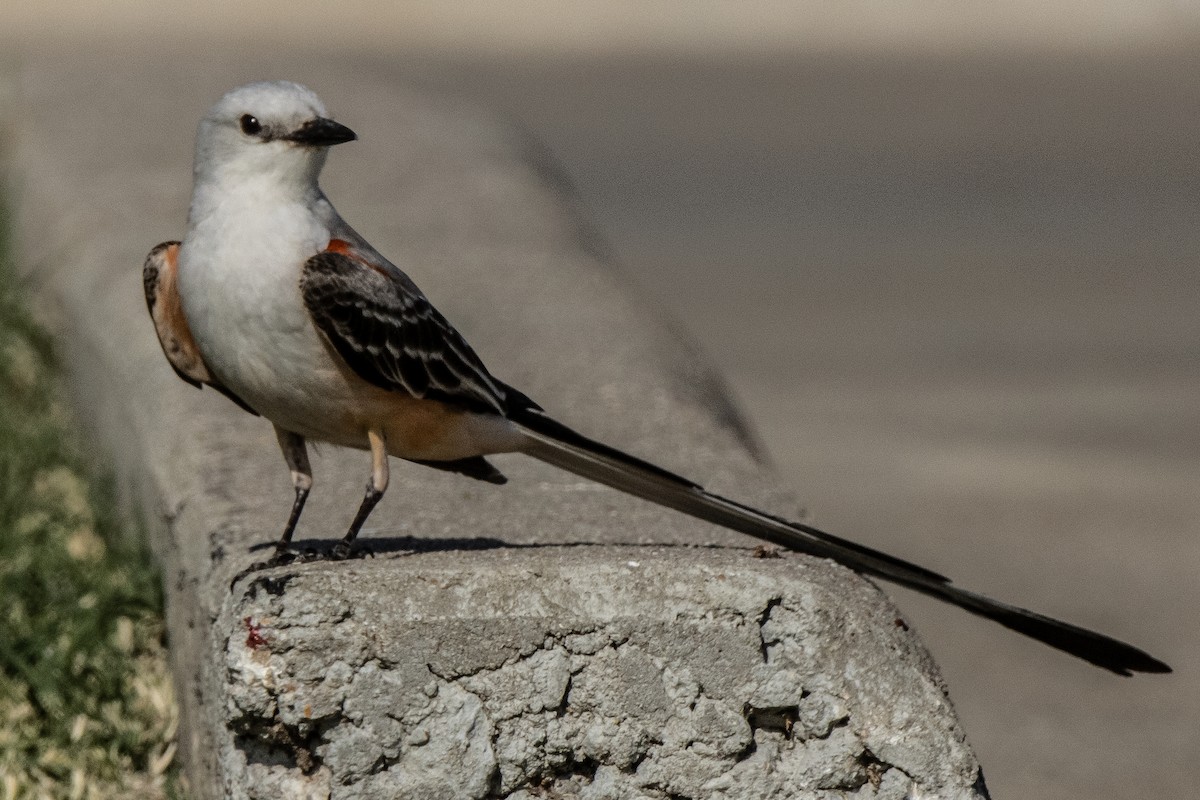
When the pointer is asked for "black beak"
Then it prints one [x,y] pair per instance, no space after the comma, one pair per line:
[320,132]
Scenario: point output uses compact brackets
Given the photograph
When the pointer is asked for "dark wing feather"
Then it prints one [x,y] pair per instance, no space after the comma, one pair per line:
[476,467]
[389,333]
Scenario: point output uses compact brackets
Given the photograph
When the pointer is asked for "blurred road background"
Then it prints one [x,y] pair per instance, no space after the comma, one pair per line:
[945,254]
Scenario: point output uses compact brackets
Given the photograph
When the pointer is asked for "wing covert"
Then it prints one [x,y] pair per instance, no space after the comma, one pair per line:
[389,333]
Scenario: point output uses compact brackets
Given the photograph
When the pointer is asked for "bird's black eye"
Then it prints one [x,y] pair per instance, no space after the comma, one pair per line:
[250,125]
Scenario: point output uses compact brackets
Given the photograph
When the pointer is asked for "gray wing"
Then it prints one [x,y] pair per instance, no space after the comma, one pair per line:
[390,335]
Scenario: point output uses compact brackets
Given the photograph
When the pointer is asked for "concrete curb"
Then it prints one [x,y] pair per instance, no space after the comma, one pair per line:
[545,639]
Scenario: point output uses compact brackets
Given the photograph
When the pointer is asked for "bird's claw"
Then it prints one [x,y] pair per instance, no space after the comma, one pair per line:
[282,557]
[285,556]
[344,550]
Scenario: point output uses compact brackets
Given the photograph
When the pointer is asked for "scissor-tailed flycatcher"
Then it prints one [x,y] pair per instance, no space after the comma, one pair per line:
[273,300]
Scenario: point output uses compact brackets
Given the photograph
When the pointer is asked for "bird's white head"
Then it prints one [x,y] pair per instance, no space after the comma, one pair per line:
[273,132]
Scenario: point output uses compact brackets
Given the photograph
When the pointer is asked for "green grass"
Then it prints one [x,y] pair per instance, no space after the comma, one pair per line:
[86,707]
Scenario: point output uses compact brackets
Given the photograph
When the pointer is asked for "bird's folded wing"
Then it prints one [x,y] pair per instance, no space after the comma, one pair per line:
[389,333]
[160,282]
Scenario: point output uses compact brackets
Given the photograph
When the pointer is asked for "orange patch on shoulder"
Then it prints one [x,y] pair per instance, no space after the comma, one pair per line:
[344,248]
[339,246]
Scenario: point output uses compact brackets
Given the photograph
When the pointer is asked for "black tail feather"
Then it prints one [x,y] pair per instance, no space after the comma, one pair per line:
[557,444]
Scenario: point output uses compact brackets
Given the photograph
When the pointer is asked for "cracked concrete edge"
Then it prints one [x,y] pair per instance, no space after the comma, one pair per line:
[619,679]
[495,585]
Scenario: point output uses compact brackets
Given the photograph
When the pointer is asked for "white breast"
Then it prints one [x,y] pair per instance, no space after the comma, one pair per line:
[239,283]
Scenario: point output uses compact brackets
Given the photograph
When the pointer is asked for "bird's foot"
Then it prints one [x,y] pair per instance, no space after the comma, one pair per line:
[282,557]
[343,551]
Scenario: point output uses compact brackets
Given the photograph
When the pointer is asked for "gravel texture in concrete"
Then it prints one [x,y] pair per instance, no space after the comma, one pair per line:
[549,638]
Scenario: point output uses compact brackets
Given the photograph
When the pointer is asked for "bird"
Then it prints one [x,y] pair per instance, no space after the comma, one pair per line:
[273,300]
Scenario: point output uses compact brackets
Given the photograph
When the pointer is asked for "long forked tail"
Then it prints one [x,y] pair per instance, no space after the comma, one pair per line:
[556,444]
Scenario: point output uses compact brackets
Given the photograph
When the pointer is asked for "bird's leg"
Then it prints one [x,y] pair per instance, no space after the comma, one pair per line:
[375,489]
[296,456]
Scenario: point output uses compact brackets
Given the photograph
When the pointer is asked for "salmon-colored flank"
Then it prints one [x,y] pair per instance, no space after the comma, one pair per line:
[413,426]
[173,331]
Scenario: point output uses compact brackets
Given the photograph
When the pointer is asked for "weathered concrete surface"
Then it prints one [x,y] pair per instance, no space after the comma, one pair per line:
[623,672]
[545,638]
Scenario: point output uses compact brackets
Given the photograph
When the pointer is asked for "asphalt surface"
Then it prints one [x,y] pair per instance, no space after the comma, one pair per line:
[958,297]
